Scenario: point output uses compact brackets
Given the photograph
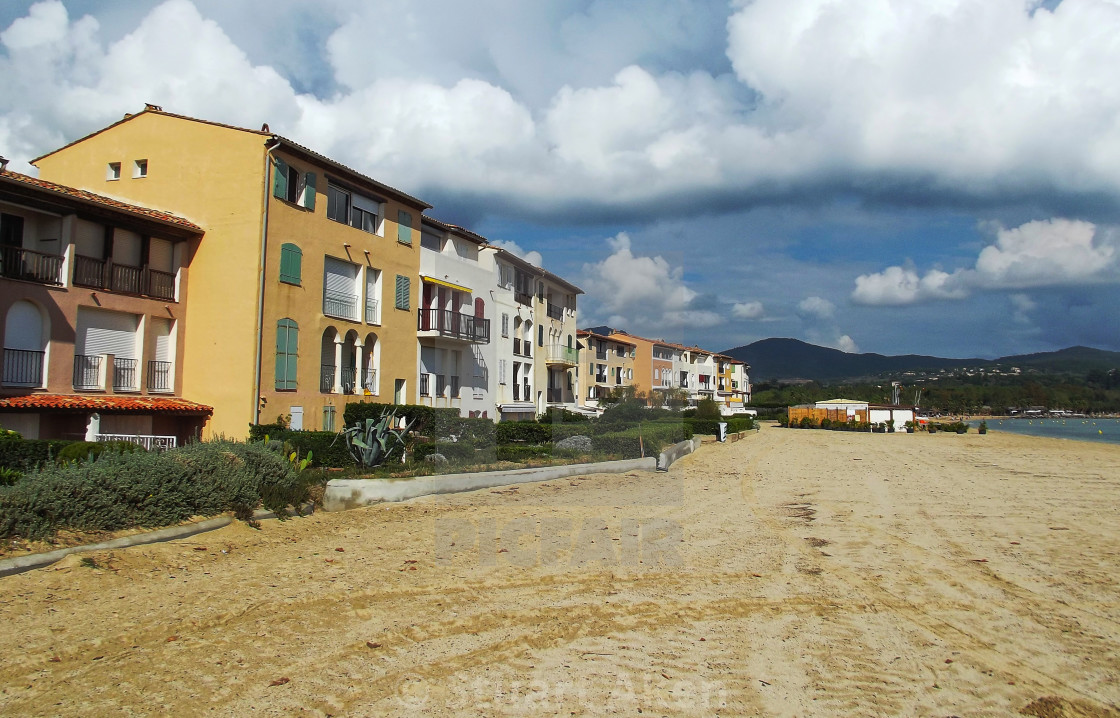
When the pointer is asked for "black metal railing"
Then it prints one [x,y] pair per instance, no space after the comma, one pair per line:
[425,385]
[555,311]
[454,387]
[601,354]
[87,371]
[326,378]
[20,263]
[159,376]
[340,304]
[124,374]
[441,385]
[600,378]
[349,376]
[517,393]
[23,367]
[454,324]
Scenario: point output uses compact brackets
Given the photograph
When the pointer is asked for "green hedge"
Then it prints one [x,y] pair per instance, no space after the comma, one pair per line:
[423,418]
[711,426]
[526,432]
[25,454]
[327,448]
[461,452]
[148,489]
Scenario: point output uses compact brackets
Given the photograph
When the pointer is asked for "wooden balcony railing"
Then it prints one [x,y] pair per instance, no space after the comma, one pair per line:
[29,265]
[123,278]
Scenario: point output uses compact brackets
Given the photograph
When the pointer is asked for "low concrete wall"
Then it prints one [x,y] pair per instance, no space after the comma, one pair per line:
[676,451]
[345,494]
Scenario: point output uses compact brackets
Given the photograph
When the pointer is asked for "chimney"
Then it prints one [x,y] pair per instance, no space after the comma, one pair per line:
[3,164]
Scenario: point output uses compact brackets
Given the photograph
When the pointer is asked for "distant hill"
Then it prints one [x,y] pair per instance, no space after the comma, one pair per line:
[791,359]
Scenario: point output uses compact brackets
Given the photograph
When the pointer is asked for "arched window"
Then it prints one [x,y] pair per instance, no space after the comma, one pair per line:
[25,344]
[287,345]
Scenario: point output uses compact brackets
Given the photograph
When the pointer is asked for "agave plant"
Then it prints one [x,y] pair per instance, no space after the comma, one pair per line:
[371,442]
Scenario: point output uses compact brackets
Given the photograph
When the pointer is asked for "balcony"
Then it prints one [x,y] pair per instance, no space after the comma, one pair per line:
[340,305]
[522,393]
[601,354]
[123,278]
[160,377]
[522,348]
[87,372]
[561,355]
[373,311]
[555,396]
[23,368]
[522,297]
[349,377]
[425,385]
[31,266]
[455,388]
[453,325]
[124,375]
[600,378]
[369,381]
[326,378]
[555,311]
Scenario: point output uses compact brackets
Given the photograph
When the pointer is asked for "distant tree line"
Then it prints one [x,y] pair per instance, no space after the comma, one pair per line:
[1097,391]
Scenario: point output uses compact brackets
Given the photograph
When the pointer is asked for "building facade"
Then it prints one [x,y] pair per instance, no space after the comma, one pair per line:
[304,297]
[609,362]
[93,316]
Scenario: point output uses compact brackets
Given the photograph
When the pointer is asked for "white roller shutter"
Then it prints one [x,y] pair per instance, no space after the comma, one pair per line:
[102,332]
[339,276]
[126,248]
[159,255]
[162,330]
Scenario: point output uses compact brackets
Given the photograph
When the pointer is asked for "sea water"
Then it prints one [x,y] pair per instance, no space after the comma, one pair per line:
[1068,428]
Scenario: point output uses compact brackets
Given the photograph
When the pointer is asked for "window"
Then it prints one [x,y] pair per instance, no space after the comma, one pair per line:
[404,227]
[540,335]
[139,168]
[328,418]
[287,342]
[357,210]
[404,289]
[113,172]
[292,186]
[505,325]
[429,240]
[501,371]
[291,263]
[505,276]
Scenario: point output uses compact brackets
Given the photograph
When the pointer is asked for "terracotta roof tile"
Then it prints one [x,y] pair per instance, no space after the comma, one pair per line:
[91,197]
[103,403]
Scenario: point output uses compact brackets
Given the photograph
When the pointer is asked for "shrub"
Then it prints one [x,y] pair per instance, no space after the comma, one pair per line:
[80,451]
[806,423]
[421,419]
[9,476]
[522,453]
[558,415]
[509,432]
[629,411]
[707,409]
[25,454]
[147,489]
[327,448]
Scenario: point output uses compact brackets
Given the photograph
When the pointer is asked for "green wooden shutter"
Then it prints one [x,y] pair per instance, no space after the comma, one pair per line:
[404,227]
[404,289]
[291,263]
[308,198]
[280,178]
[287,346]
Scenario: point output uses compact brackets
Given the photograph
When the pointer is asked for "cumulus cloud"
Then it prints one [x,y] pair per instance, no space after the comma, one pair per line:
[817,307]
[1043,253]
[748,310]
[532,257]
[643,292]
[562,104]
[846,344]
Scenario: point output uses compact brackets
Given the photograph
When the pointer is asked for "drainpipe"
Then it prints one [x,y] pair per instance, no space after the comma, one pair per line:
[256,413]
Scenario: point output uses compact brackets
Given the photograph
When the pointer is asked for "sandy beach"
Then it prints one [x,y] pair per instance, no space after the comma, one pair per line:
[793,573]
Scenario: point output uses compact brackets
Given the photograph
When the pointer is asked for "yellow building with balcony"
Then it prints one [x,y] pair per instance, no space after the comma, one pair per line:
[303,296]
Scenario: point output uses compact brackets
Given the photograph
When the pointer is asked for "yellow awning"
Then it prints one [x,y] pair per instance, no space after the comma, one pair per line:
[445,283]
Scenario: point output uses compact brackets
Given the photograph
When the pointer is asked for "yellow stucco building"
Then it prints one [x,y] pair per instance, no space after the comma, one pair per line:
[303,289]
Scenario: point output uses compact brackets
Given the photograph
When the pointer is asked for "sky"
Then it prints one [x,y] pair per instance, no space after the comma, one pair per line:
[895,176]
